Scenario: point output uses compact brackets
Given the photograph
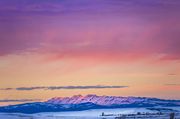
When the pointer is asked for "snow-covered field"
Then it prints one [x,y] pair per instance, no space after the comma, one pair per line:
[91,114]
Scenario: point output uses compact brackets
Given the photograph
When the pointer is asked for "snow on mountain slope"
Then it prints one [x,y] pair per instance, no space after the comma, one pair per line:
[78,103]
[108,100]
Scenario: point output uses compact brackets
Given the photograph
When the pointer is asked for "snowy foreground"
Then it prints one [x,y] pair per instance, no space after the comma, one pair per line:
[126,113]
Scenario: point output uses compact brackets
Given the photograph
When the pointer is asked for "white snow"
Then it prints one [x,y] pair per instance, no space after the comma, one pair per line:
[98,112]
[87,114]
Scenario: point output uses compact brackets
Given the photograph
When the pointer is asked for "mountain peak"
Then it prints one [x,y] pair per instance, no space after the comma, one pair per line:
[105,100]
[92,98]
[77,96]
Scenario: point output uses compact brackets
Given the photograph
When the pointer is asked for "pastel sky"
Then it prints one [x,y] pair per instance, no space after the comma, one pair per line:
[52,48]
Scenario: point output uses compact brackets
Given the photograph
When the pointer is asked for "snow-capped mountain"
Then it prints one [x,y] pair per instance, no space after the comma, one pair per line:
[78,102]
[100,100]
[108,100]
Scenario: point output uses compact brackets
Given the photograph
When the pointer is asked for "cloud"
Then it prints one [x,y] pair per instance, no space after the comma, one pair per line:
[172,84]
[130,27]
[19,100]
[62,87]
[172,74]
[6,89]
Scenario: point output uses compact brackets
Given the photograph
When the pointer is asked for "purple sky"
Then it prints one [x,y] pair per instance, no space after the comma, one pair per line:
[154,23]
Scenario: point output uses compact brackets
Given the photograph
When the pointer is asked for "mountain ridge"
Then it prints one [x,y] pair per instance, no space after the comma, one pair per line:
[91,101]
[103,100]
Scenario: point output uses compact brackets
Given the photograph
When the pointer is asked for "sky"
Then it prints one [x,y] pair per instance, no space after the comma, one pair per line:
[57,48]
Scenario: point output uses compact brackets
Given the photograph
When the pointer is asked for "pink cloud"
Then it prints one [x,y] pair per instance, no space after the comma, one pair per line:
[117,30]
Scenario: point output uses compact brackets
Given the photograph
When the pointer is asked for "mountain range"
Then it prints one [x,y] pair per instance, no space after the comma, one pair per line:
[79,102]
